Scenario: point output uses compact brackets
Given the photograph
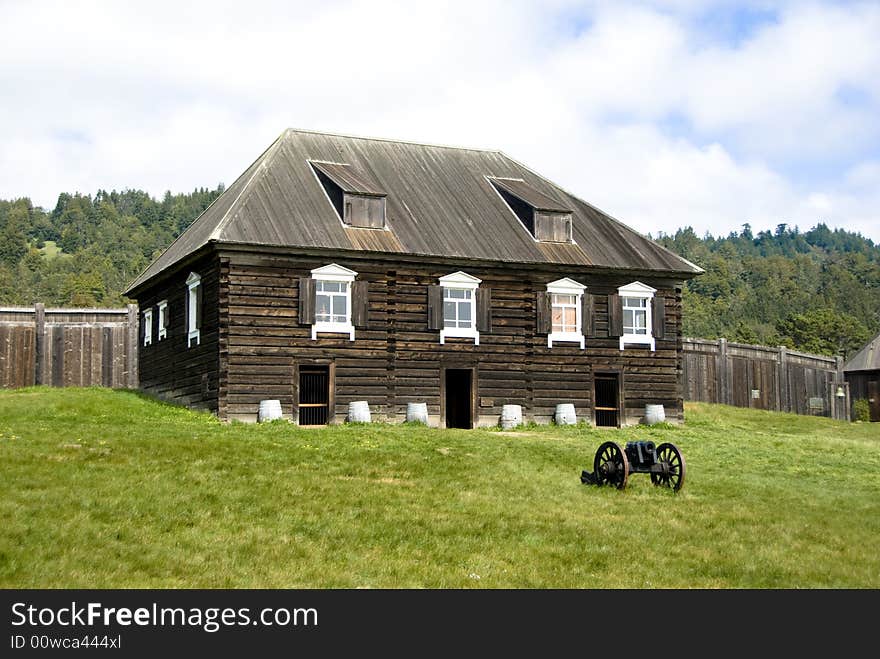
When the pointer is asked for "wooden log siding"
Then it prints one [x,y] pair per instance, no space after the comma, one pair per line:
[68,347]
[396,357]
[168,368]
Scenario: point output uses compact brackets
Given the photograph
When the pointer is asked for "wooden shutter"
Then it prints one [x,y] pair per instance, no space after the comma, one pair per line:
[306,301]
[142,329]
[360,303]
[588,317]
[658,312]
[543,312]
[435,307]
[484,309]
[615,315]
[199,306]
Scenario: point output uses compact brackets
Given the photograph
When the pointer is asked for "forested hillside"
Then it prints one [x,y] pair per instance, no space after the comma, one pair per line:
[87,249]
[816,291]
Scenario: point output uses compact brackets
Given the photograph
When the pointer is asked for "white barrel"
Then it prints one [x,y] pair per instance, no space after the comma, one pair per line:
[417,412]
[654,414]
[269,410]
[511,416]
[565,414]
[359,412]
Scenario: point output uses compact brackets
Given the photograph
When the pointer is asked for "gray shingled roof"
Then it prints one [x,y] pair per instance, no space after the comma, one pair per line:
[866,359]
[439,203]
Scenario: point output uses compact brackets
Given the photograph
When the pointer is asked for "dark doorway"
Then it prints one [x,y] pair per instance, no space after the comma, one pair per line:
[607,400]
[874,399]
[314,395]
[459,396]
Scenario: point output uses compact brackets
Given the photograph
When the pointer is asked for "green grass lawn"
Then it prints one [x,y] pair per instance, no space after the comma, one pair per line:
[104,489]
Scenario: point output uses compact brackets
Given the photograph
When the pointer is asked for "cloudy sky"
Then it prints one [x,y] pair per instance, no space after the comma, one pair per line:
[664,114]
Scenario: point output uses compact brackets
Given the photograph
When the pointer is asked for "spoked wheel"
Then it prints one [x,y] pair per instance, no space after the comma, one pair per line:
[611,466]
[671,461]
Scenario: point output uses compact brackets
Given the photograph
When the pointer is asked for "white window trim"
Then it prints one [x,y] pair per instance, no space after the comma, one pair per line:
[163,311]
[639,290]
[335,273]
[567,286]
[463,282]
[148,327]
[192,332]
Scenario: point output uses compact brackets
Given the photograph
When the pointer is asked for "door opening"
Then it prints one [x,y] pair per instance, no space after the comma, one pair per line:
[459,397]
[607,403]
[314,395]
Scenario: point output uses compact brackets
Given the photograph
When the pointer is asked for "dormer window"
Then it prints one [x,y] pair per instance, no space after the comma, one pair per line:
[358,201]
[545,218]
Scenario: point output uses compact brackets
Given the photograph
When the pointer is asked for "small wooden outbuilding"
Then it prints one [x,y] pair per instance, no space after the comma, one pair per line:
[863,374]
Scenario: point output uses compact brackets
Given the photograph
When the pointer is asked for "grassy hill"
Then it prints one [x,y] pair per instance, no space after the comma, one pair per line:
[106,489]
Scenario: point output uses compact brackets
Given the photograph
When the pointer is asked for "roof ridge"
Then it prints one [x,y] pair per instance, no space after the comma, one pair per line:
[388,139]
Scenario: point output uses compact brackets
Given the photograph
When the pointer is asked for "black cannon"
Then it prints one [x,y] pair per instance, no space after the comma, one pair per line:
[612,466]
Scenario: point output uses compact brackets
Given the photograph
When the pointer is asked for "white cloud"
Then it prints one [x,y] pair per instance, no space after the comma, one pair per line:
[178,95]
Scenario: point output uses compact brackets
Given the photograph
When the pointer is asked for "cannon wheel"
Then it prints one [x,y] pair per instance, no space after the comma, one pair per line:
[611,466]
[672,461]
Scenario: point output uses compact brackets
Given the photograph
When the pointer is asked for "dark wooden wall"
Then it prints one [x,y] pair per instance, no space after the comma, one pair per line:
[859,383]
[168,368]
[396,360]
[763,378]
[68,347]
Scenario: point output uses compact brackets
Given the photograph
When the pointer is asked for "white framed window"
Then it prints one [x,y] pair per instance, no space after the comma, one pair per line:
[565,311]
[193,310]
[163,319]
[460,306]
[333,285]
[148,327]
[635,302]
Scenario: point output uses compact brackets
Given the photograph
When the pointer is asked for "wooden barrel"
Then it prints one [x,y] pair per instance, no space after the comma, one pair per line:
[417,412]
[654,414]
[269,410]
[565,414]
[511,416]
[359,412]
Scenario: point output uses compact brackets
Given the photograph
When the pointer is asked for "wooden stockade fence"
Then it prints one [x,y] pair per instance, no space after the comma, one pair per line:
[764,378]
[68,347]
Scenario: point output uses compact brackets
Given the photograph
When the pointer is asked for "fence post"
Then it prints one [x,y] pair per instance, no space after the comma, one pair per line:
[784,394]
[39,341]
[723,373]
[131,346]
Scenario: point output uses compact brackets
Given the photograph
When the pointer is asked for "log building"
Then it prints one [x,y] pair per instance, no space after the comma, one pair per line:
[338,269]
